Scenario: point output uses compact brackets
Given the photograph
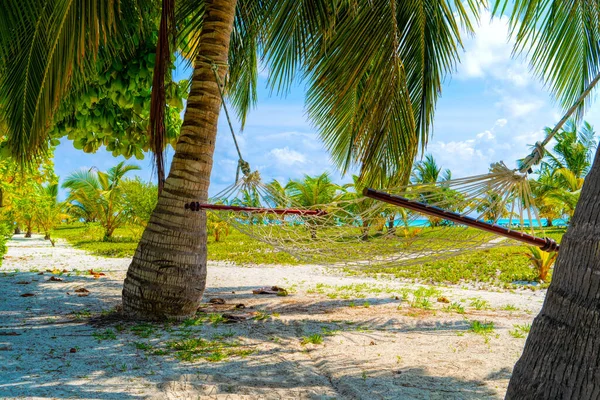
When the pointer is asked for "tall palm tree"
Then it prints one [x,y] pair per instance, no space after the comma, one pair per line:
[101,194]
[373,70]
[559,359]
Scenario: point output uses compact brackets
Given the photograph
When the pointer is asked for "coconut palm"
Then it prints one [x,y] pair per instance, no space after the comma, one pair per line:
[313,192]
[574,149]
[543,190]
[373,72]
[428,171]
[562,173]
[276,194]
[562,39]
[101,194]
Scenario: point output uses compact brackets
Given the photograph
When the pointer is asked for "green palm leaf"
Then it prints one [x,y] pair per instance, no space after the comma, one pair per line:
[47,49]
[561,39]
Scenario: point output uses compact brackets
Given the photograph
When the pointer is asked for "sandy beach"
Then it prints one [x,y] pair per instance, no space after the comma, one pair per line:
[380,338]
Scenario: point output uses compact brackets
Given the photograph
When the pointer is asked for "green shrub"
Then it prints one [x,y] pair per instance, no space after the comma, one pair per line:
[5,233]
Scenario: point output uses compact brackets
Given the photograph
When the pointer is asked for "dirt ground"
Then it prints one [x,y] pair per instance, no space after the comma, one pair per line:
[380,339]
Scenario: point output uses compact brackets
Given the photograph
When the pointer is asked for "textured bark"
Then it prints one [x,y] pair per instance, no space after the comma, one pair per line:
[167,276]
[561,359]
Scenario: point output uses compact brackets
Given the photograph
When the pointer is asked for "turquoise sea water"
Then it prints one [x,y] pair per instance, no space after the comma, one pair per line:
[423,222]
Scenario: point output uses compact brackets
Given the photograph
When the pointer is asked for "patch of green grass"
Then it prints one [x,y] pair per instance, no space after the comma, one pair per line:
[143,330]
[480,304]
[421,302]
[455,307]
[210,350]
[481,328]
[480,265]
[195,321]
[216,318]
[509,307]
[142,346]
[107,334]
[329,332]
[236,247]
[520,331]
[315,338]
[81,314]
[261,316]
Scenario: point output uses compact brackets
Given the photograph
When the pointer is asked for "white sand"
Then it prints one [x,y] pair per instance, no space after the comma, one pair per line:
[385,351]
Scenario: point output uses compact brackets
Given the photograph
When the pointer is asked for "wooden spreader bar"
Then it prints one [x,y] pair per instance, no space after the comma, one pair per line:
[197,206]
[545,244]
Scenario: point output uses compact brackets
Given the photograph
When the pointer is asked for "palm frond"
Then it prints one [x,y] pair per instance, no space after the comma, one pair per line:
[48,47]
[374,72]
[562,40]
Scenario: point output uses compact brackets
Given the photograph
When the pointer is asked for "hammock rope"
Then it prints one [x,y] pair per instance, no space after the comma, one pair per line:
[242,164]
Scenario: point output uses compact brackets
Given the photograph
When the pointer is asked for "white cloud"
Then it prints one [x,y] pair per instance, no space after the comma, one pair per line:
[286,156]
[487,135]
[520,107]
[501,122]
[488,53]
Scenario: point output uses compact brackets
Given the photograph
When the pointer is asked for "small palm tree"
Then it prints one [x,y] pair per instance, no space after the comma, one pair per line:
[100,194]
[48,211]
[313,192]
[574,149]
[542,261]
[428,171]
[277,195]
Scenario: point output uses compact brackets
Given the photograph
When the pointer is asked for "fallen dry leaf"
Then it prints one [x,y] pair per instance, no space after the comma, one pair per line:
[232,318]
[271,290]
[23,283]
[216,300]
[81,290]
[95,274]
[73,350]
[55,279]
[5,348]
[55,271]
[27,295]
[82,294]
[9,334]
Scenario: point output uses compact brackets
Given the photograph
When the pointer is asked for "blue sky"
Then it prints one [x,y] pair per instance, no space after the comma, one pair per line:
[492,108]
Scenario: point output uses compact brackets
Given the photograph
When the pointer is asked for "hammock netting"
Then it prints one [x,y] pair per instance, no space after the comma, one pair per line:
[354,230]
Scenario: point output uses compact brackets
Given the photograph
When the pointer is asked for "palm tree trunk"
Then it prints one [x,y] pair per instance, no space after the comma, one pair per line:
[561,356]
[167,276]
[391,227]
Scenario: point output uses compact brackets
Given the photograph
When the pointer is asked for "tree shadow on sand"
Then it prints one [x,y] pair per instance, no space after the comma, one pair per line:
[60,345]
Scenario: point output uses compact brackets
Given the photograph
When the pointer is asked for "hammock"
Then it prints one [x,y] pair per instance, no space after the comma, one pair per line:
[400,226]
